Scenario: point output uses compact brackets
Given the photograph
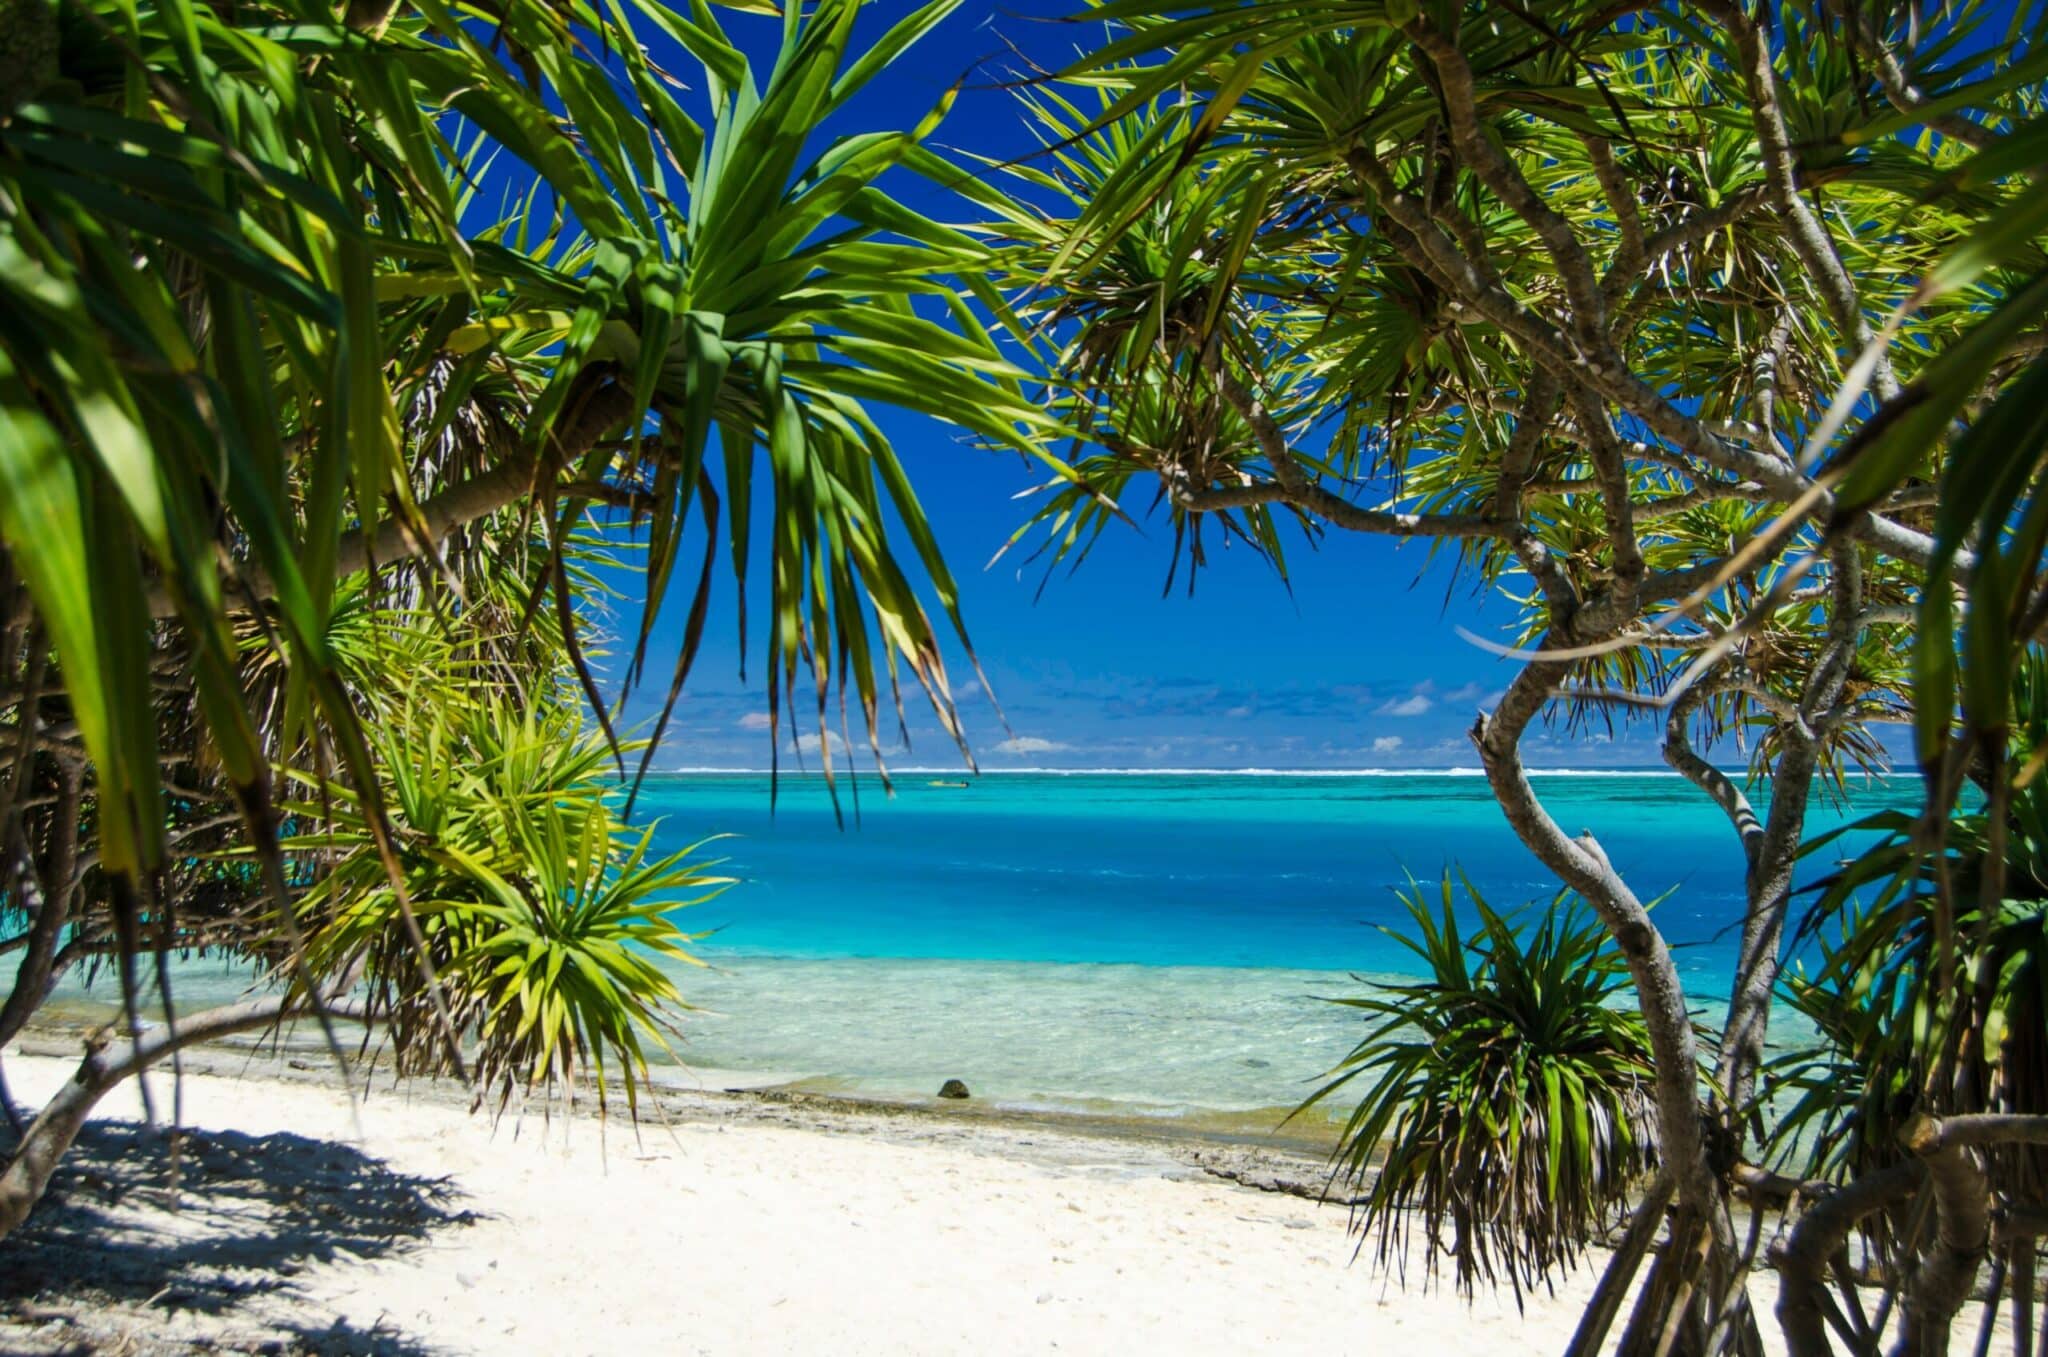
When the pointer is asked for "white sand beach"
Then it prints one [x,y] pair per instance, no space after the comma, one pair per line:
[726,1233]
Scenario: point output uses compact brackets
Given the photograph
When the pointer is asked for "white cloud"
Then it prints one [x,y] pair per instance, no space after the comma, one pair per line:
[1029,744]
[1407,706]
[1386,744]
[754,720]
[807,742]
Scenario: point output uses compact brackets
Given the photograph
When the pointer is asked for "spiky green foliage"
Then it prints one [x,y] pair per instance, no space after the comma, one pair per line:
[259,330]
[307,281]
[1912,1001]
[333,340]
[547,919]
[1507,1115]
[1170,245]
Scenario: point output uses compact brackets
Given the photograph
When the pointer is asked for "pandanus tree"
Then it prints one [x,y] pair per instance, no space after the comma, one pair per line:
[328,332]
[1708,334]
[1506,1112]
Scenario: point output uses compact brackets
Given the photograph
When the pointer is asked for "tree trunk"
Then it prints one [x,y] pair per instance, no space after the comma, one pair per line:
[1769,891]
[1697,1269]
[1621,1269]
[1581,864]
[1962,1236]
[52,888]
[1805,1255]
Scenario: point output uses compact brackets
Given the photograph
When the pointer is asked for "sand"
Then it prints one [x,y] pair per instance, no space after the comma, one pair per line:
[408,1226]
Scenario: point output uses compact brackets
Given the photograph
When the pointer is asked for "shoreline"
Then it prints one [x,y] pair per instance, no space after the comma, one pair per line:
[735,1223]
[689,1095]
[1135,1099]
[293,1219]
[124,1256]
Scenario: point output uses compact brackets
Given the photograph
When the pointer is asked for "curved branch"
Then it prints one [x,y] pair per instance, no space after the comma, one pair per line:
[1617,509]
[505,484]
[1632,256]
[1684,234]
[1497,172]
[1962,1217]
[1518,458]
[1710,492]
[1768,889]
[1582,865]
[1802,1257]
[1426,246]
[1688,763]
[1930,1134]
[53,892]
[1341,512]
[104,1068]
[1290,486]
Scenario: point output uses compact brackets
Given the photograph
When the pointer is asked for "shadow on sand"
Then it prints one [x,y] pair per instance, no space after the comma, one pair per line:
[110,1254]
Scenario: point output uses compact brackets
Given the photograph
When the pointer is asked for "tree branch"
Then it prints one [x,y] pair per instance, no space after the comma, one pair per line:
[54,886]
[1802,1257]
[1292,487]
[1719,787]
[1891,78]
[1497,172]
[602,408]
[104,1068]
[1340,512]
[1617,509]
[1583,866]
[1962,1218]
[1684,234]
[1632,256]
[1809,241]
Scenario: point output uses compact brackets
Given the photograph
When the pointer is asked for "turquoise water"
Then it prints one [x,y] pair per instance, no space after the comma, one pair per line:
[1144,944]
[1064,940]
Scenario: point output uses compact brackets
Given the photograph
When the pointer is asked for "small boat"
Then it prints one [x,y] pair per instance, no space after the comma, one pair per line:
[941,782]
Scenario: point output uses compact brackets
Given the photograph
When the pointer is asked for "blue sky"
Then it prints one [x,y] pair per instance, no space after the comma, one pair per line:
[1360,666]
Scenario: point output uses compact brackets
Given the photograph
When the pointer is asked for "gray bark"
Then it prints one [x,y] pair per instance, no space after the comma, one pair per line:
[1803,1258]
[1769,891]
[1899,91]
[1605,1303]
[1581,864]
[1962,1237]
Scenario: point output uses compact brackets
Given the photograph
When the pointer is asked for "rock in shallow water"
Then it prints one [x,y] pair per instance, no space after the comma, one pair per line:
[953,1088]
